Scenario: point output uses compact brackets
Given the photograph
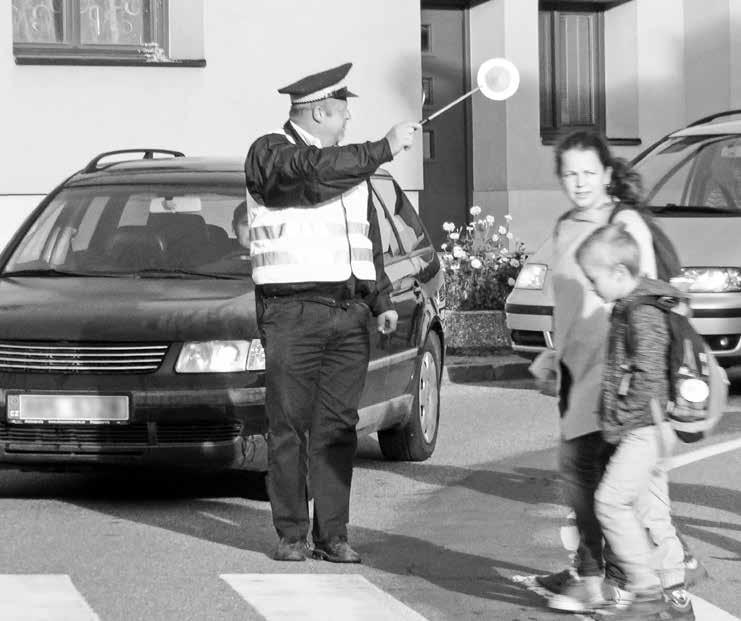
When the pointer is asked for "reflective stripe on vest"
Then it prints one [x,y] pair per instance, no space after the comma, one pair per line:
[324,243]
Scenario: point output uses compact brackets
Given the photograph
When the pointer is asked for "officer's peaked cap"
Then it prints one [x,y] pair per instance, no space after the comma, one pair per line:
[323,85]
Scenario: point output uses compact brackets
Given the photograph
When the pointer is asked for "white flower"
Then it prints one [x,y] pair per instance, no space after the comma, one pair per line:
[490,220]
[444,247]
[511,282]
[470,227]
[508,218]
[476,264]
[459,253]
[475,210]
[510,236]
[495,237]
[454,236]
[514,263]
[505,251]
[502,230]
[449,227]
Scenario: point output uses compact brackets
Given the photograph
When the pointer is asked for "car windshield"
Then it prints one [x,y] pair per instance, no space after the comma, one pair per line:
[167,231]
[700,174]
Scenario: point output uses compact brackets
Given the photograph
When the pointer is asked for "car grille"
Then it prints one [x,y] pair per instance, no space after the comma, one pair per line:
[74,434]
[197,432]
[80,358]
[101,438]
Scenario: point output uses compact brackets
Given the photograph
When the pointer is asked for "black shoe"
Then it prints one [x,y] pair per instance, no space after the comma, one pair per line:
[556,582]
[291,550]
[335,550]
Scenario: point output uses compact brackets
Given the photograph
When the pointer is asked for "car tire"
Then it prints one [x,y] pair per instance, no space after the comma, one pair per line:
[415,440]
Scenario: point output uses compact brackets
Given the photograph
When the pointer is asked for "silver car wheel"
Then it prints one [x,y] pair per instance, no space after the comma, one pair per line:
[428,396]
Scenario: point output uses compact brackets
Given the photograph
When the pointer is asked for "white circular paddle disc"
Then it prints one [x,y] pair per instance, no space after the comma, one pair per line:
[498,78]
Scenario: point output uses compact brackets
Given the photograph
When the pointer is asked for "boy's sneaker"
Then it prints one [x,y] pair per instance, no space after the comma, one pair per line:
[579,594]
[680,604]
[648,606]
[556,582]
[616,597]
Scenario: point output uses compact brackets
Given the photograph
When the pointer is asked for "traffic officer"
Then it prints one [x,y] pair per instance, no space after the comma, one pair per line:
[317,264]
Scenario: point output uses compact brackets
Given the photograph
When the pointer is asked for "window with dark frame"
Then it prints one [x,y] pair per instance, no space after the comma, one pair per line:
[427,91]
[572,91]
[428,144]
[426,34]
[102,30]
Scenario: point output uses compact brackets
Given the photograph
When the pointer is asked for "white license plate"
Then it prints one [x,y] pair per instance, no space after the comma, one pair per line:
[49,408]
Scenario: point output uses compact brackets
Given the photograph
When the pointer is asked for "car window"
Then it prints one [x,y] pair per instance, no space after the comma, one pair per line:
[389,239]
[694,172]
[405,219]
[129,229]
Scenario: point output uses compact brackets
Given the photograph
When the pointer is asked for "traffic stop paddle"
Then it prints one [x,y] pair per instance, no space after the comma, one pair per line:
[497,79]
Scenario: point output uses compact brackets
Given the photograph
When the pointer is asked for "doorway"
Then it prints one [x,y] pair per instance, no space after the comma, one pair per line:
[446,195]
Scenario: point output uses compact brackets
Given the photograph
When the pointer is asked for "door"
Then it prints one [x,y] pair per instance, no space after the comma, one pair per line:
[446,195]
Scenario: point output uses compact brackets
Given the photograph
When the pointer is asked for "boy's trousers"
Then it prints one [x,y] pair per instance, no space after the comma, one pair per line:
[632,505]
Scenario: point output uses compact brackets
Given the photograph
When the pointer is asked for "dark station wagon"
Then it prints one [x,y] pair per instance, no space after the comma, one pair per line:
[128,333]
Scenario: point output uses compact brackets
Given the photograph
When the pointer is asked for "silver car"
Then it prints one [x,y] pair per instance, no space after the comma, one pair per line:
[693,188]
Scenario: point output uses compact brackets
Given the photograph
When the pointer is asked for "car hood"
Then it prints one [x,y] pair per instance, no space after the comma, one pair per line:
[126,309]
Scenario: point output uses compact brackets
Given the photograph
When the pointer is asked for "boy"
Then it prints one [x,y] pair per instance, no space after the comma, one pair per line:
[634,490]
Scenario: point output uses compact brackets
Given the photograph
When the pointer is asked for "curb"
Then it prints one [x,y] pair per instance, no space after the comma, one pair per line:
[465,369]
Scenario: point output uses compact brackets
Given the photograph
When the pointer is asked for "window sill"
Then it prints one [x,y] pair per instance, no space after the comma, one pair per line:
[53,59]
[550,140]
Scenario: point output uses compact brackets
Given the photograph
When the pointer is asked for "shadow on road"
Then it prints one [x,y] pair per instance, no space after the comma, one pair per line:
[213,509]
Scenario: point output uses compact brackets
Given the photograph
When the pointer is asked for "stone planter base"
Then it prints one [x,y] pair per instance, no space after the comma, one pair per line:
[472,331]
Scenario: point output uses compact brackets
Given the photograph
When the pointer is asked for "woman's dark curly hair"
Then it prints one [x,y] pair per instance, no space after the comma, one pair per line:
[626,184]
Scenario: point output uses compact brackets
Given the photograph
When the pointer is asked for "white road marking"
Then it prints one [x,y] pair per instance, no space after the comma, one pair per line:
[217,518]
[318,597]
[42,597]
[703,453]
[705,611]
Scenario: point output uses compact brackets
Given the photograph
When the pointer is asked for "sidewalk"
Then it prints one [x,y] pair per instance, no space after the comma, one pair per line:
[493,367]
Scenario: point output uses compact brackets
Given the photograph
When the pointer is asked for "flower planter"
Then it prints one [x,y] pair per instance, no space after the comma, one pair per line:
[472,331]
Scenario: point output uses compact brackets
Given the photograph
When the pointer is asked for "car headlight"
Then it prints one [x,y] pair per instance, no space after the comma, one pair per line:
[220,357]
[712,279]
[531,276]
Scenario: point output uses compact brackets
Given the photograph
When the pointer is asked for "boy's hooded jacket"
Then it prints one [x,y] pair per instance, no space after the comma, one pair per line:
[647,366]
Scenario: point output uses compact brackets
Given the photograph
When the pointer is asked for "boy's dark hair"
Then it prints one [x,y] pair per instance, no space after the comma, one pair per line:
[617,247]
[625,185]
[239,213]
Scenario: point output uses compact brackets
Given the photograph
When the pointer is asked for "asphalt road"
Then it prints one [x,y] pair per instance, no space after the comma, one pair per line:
[441,539]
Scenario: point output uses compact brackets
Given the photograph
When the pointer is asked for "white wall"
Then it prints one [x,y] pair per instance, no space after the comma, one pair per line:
[53,119]
[621,71]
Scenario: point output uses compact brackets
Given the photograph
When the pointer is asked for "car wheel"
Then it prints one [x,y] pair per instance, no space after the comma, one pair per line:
[415,441]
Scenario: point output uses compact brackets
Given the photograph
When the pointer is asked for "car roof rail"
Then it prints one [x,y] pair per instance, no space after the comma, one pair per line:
[92,165]
[712,117]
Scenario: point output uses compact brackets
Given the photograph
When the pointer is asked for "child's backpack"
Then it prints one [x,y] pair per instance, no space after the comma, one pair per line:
[667,260]
[698,385]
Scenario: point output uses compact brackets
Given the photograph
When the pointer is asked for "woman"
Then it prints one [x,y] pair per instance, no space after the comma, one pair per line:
[595,183]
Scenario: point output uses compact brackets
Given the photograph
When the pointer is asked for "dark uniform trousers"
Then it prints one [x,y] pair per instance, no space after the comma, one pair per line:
[316,357]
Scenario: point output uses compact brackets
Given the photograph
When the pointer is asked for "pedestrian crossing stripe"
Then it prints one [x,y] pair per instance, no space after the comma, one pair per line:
[318,597]
[42,597]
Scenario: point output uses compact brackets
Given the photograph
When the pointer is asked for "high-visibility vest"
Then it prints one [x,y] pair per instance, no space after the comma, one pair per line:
[324,243]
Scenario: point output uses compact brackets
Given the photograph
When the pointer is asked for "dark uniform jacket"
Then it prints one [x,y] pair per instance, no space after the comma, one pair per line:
[280,173]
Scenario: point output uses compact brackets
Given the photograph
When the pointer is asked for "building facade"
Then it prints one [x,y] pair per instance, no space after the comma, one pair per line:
[81,77]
